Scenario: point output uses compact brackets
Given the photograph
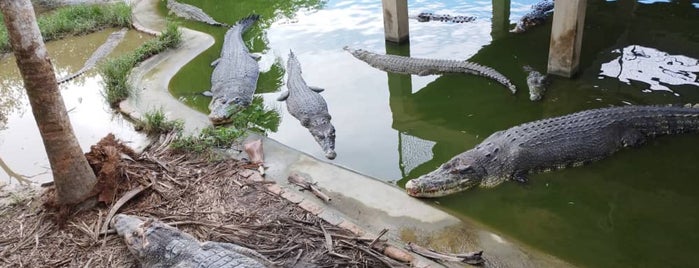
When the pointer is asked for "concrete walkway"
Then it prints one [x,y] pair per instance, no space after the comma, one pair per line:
[359,203]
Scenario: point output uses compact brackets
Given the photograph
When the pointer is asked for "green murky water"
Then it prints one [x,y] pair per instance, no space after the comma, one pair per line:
[636,208]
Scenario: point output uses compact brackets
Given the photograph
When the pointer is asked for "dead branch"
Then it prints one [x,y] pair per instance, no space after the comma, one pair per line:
[473,258]
[125,198]
[299,180]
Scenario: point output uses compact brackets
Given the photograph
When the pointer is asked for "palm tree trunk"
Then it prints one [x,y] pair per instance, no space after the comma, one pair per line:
[72,175]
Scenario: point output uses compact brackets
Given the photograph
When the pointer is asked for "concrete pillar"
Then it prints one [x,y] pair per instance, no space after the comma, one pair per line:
[501,19]
[395,20]
[566,37]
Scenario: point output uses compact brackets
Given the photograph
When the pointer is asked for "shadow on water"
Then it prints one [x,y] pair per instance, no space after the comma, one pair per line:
[635,208]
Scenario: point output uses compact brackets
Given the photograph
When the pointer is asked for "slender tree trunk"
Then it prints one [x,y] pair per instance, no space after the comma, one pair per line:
[72,175]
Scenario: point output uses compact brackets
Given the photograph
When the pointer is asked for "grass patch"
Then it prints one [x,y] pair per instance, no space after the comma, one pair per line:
[76,20]
[155,123]
[255,118]
[115,71]
[209,139]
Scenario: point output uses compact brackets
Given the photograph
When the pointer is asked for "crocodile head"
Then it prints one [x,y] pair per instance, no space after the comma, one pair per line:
[133,230]
[324,133]
[222,108]
[458,174]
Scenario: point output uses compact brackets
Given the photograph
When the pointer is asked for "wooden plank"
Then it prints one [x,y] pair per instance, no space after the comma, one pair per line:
[566,37]
[395,20]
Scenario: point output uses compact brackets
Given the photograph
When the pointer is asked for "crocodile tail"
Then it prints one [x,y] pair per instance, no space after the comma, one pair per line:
[71,77]
[246,22]
[491,73]
[293,62]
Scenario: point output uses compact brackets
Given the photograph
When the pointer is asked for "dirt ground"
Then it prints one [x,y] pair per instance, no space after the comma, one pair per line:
[209,199]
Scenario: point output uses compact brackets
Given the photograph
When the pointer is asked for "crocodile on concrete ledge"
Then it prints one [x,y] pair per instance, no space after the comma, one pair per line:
[102,51]
[309,107]
[155,244]
[192,13]
[553,143]
[234,79]
[422,67]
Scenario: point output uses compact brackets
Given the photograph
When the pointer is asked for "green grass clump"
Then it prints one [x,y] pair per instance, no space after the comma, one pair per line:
[207,140]
[257,117]
[115,71]
[76,20]
[155,123]
[169,38]
[254,118]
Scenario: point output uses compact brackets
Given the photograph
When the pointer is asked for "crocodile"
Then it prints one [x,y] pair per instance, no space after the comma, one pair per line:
[422,67]
[309,107]
[234,79]
[535,17]
[102,51]
[554,143]
[428,16]
[536,82]
[155,244]
[192,13]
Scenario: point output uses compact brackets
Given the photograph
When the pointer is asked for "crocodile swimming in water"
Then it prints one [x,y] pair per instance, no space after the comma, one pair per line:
[155,244]
[553,143]
[234,79]
[192,13]
[309,107]
[102,51]
[536,82]
[422,67]
[428,16]
[535,17]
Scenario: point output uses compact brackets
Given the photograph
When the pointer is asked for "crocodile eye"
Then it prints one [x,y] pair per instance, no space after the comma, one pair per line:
[463,171]
[466,170]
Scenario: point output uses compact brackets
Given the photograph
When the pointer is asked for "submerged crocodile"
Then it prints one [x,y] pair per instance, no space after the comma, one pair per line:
[536,82]
[535,17]
[553,143]
[192,13]
[304,103]
[422,67]
[428,16]
[234,79]
[155,244]
[102,51]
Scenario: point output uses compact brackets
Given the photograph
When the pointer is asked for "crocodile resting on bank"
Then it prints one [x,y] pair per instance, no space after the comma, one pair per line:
[192,13]
[102,51]
[422,67]
[155,244]
[553,143]
[309,107]
[234,79]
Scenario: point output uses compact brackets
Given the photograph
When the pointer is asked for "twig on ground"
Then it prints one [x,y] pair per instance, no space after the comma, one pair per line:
[125,198]
[299,180]
[473,258]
